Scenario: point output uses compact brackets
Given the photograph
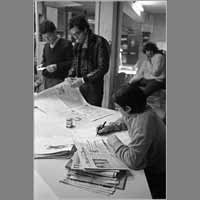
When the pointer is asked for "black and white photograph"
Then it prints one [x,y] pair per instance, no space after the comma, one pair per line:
[99,99]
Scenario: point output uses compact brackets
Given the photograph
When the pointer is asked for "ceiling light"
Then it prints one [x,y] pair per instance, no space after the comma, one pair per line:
[137,7]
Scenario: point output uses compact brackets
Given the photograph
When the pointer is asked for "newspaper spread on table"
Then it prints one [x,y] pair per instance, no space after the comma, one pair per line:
[63,101]
[97,154]
[94,167]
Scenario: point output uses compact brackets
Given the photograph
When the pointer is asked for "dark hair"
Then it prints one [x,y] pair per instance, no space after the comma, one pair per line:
[47,27]
[80,22]
[150,46]
[131,96]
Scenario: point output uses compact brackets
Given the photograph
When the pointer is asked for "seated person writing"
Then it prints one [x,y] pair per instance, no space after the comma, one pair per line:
[152,72]
[146,149]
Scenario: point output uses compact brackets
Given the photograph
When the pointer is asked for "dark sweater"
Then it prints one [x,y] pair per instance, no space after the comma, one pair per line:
[62,55]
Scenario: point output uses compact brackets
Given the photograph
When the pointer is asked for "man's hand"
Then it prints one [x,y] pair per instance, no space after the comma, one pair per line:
[70,80]
[51,68]
[77,82]
[135,79]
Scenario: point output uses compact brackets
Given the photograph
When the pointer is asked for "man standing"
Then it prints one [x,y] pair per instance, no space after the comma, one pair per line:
[91,61]
[57,55]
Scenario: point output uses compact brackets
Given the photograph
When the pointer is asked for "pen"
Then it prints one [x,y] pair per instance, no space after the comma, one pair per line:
[101,127]
[104,124]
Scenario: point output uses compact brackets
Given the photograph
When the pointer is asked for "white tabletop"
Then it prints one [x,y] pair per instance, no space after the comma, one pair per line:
[48,172]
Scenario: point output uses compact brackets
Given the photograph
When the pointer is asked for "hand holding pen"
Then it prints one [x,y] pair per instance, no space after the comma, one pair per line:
[100,128]
[103,130]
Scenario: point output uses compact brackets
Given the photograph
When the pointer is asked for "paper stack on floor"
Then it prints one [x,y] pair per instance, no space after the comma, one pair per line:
[101,172]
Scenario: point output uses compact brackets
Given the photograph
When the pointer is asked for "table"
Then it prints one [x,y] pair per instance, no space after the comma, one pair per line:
[48,172]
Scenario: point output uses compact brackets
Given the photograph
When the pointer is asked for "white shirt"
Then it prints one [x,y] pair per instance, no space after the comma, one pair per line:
[153,68]
[55,42]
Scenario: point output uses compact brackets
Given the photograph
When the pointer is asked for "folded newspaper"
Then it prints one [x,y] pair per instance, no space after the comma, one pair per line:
[105,181]
[53,148]
[113,177]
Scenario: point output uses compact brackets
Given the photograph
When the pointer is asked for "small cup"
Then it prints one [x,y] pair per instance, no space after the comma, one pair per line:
[69,123]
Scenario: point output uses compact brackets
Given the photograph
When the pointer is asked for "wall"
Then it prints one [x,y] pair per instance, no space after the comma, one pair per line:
[159,28]
[104,14]
[158,22]
[52,15]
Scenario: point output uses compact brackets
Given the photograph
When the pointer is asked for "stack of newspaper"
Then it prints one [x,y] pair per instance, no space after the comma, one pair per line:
[53,148]
[95,168]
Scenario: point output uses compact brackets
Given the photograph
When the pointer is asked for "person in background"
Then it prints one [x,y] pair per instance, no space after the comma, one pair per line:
[147,147]
[91,61]
[37,78]
[151,75]
[57,55]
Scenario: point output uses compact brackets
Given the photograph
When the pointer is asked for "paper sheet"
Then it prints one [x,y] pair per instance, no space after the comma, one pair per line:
[94,113]
[70,96]
[96,154]
[61,99]
[52,145]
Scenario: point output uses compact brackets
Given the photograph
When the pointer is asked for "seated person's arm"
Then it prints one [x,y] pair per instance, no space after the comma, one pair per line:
[139,75]
[133,155]
[118,125]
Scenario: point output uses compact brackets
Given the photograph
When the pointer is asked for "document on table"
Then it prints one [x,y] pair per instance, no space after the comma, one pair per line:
[107,181]
[97,154]
[53,146]
[64,101]
[94,113]
[70,96]
[50,105]
[90,187]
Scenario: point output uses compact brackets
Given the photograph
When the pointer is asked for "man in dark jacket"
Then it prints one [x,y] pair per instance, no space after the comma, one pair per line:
[57,55]
[91,61]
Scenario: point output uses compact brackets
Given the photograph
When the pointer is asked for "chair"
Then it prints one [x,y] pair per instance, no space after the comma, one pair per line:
[158,102]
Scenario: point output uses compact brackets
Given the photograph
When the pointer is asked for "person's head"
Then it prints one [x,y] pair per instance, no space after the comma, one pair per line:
[48,30]
[79,27]
[129,100]
[150,49]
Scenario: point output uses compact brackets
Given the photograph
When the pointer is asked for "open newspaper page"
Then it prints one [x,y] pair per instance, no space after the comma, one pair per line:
[71,97]
[96,154]
[94,113]
[63,101]
[58,99]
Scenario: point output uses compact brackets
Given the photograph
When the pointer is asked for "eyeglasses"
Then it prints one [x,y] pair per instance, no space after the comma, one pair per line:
[76,34]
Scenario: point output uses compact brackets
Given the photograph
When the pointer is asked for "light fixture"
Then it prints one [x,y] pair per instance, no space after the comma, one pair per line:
[137,7]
